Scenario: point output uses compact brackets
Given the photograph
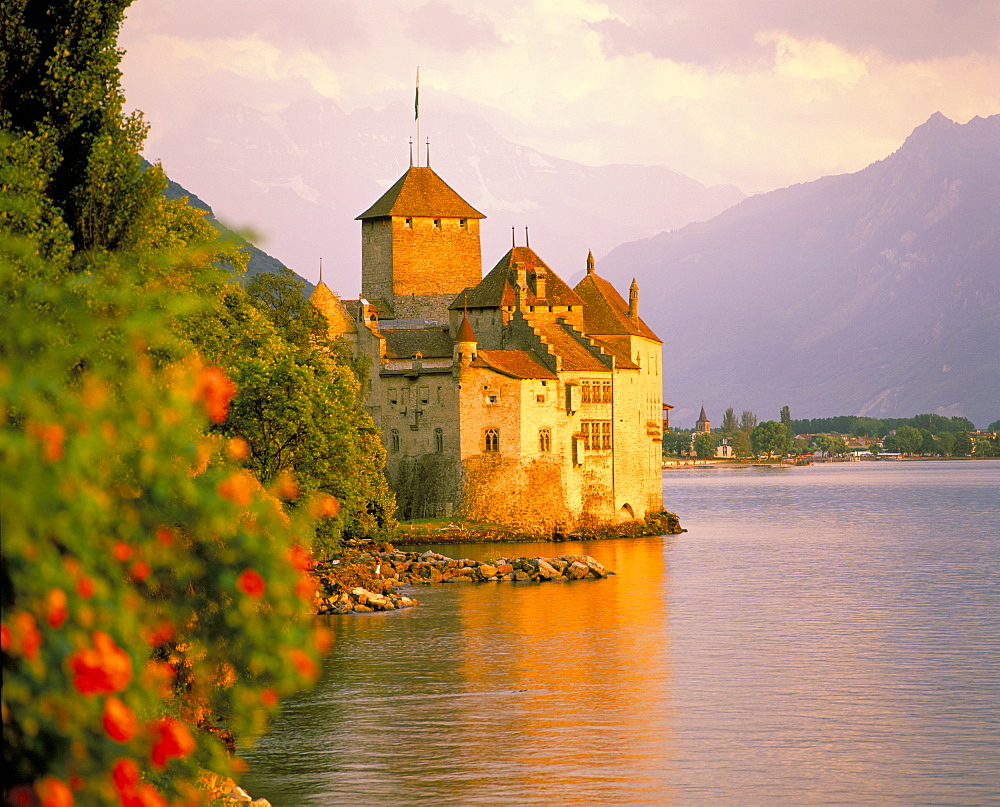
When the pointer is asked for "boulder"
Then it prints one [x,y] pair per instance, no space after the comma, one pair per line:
[545,570]
[576,570]
[504,569]
[485,571]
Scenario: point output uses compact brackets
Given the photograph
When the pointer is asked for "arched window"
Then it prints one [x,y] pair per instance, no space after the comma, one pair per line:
[492,440]
[394,441]
[544,440]
[439,441]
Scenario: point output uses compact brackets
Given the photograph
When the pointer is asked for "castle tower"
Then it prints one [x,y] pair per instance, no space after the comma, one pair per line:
[419,247]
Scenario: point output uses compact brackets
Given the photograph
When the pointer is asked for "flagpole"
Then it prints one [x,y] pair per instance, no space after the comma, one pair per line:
[416,114]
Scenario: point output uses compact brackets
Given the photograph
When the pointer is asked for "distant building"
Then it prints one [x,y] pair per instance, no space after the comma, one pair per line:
[702,425]
[510,397]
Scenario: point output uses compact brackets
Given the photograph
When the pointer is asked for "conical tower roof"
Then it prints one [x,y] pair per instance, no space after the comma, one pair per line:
[329,304]
[421,192]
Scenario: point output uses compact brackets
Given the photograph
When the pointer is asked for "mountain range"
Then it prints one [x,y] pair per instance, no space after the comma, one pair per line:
[315,167]
[873,293]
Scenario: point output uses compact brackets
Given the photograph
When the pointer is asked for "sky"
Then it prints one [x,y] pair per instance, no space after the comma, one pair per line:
[760,94]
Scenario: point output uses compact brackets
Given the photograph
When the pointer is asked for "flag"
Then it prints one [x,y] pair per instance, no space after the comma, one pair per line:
[416,98]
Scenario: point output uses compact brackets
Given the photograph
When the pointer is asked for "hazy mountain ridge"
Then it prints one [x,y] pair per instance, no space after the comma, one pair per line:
[869,293]
[315,167]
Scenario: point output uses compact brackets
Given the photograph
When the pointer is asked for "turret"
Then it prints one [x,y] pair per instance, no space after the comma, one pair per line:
[633,301]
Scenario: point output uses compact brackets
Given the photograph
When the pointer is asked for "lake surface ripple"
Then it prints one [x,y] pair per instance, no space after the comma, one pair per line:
[820,635]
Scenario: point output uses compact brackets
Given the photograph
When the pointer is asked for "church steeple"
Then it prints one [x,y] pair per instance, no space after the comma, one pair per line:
[703,424]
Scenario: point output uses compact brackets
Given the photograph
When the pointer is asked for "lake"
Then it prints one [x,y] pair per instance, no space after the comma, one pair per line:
[826,634]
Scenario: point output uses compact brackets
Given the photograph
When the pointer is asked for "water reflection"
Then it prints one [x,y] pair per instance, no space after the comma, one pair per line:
[822,636]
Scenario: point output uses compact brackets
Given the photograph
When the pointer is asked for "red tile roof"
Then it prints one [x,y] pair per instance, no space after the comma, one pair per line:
[497,288]
[421,192]
[606,312]
[514,363]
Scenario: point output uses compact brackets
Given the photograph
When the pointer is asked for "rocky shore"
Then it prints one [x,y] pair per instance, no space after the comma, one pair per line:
[366,578]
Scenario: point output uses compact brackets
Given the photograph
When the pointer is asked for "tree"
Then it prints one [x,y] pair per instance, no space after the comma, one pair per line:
[748,421]
[874,449]
[150,585]
[769,437]
[830,444]
[928,445]
[910,439]
[729,423]
[786,421]
[705,444]
[962,446]
[994,426]
[141,566]
[945,443]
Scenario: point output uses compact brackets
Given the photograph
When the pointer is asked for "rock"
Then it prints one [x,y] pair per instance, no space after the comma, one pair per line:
[576,570]
[520,576]
[239,794]
[260,803]
[558,564]
[546,571]
[485,571]
[596,569]
[504,569]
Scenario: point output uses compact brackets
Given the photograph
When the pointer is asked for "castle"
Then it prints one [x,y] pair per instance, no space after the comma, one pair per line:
[510,398]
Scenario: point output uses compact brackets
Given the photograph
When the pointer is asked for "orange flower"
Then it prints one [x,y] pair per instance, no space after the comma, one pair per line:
[162,633]
[85,587]
[25,636]
[171,738]
[119,721]
[216,390]
[57,608]
[147,796]
[122,551]
[54,792]
[299,558]
[21,796]
[251,583]
[5,640]
[238,448]
[140,570]
[52,436]
[323,506]
[269,698]
[164,536]
[125,774]
[305,665]
[103,669]
[237,488]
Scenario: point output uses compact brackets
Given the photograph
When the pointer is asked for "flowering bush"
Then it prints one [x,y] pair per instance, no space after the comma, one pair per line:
[142,566]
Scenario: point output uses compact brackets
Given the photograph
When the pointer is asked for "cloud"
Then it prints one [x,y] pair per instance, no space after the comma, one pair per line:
[726,33]
[439,25]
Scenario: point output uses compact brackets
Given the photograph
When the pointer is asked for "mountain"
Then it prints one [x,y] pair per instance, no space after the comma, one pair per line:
[874,293]
[299,175]
[259,260]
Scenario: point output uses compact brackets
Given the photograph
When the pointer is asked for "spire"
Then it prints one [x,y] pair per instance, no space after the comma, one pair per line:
[633,301]
[590,262]
[526,238]
[321,269]
[416,113]
[427,154]
[465,332]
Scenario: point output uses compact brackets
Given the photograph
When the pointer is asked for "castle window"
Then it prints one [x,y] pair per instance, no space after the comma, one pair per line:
[585,434]
[438,399]
[425,395]
[606,434]
[492,398]
[392,396]
[394,441]
[491,440]
[463,223]
[409,222]
[606,391]
[544,440]
[585,392]
[438,441]
[437,224]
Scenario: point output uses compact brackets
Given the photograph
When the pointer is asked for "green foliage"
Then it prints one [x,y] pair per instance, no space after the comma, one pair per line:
[909,439]
[729,423]
[769,437]
[829,444]
[994,426]
[873,427]
[963,444]
[705,444]
[139,561]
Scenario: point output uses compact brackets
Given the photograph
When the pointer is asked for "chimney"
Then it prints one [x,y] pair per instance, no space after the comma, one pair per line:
[540,283]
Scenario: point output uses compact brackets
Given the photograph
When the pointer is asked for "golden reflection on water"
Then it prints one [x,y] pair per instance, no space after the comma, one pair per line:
[581,666]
